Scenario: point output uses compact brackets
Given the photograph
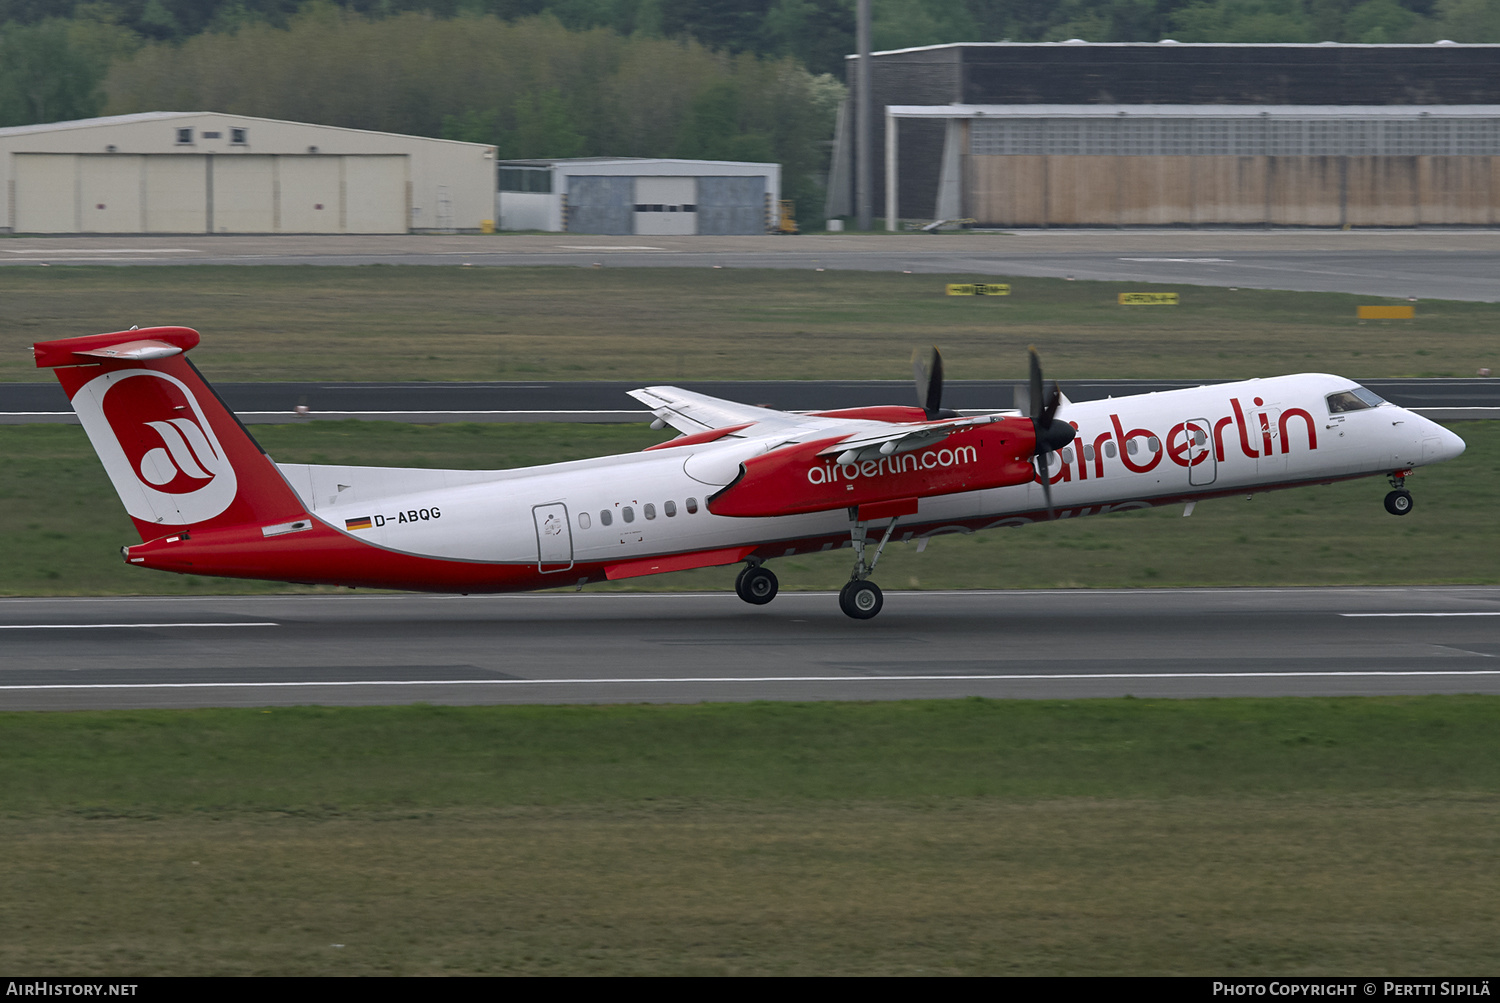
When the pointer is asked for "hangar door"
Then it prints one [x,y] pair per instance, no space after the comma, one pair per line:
[732,205]
[194,193]
[600,204]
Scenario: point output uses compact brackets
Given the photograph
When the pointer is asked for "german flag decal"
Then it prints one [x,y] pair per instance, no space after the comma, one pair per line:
[363,522]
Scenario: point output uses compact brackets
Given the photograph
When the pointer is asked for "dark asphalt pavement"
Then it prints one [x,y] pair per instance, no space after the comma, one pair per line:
[670,648]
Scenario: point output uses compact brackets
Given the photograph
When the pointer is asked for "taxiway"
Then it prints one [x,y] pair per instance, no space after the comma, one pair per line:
[1455,264]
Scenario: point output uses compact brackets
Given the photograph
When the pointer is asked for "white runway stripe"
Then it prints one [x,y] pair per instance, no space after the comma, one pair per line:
[1496,613]
[101,626]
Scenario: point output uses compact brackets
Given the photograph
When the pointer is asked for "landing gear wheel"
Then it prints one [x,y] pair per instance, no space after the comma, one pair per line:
[756,586]
[861,600]
[1398,502]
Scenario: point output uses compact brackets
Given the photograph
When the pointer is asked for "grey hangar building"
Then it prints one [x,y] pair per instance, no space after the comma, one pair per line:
[205,172]
[1175,134]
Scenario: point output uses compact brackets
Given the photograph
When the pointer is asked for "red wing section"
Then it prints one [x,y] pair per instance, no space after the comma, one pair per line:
[178,458]
[698,438]
[894,413]
[795,479]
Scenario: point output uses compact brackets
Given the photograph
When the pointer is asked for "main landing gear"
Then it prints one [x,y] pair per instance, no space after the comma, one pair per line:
[756,585]
[1398,502]
[861,598]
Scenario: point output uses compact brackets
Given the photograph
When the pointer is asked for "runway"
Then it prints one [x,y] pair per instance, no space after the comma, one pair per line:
[1455,264]
[555,648]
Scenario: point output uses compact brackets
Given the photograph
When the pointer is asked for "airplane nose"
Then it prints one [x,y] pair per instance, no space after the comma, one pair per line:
[1450,446]
[1438,444]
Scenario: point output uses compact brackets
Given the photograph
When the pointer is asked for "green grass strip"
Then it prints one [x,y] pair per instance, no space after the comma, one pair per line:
[659,325]
[1202,837]
[380,759]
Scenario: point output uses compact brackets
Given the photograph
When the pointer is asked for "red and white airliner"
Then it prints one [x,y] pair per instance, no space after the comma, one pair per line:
[741,485]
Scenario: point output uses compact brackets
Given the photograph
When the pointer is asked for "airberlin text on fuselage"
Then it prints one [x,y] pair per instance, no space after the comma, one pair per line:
[1257,430]
[931,459]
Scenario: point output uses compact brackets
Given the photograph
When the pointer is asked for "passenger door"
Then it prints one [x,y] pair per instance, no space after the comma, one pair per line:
[554,538]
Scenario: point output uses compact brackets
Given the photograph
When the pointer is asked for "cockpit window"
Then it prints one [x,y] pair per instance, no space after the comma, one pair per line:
[1358,399]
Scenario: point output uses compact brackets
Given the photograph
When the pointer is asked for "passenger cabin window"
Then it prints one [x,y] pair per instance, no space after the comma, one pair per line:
[692,505]
[1358,399]
[627,513]
[670,508]
[605,518]
[583,520]
[650,511]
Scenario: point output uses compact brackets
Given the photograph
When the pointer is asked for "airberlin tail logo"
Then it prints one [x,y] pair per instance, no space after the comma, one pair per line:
[157,446]
[187,453]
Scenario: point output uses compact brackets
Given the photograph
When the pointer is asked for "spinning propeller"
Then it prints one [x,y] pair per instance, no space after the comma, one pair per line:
[928,372]
[1051,435]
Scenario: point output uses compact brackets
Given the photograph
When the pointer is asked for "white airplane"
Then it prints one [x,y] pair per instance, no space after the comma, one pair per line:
[741,485]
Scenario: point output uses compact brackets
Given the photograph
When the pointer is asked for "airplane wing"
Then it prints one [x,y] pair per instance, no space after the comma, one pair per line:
[690,412]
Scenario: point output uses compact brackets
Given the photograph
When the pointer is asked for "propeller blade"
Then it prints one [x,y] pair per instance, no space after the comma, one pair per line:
[928,373]
[1054,398]
[1051,436]
[1041,470]
[1036,388]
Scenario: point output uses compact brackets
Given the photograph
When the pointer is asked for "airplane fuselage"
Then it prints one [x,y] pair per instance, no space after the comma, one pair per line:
[743,484]
[587,520]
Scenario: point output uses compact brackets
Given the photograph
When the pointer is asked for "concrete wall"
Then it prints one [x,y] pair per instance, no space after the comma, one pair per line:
[1040,190]
[1137,73]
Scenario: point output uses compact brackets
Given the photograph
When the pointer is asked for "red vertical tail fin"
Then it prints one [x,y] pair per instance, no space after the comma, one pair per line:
[177,456]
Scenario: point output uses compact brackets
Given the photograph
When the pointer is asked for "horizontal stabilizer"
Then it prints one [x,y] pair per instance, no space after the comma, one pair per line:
[125,346]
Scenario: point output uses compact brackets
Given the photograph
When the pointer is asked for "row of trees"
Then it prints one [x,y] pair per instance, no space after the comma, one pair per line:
[531,87]
[819,33]
[56,54]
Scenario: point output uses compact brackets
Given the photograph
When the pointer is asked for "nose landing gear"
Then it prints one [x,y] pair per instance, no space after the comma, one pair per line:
[1399,501]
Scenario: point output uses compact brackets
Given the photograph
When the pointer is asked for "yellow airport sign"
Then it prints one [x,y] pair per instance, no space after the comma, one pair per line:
[1148,299]
[977,289]
[1386,312]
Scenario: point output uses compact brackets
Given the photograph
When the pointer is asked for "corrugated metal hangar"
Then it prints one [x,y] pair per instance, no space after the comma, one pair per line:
[1122,134]
[637,196]
[201,172]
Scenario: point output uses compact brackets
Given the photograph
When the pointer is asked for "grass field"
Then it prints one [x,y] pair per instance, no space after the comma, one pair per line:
[660,325]
[65,525]
[1229,837]
[1029,837]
